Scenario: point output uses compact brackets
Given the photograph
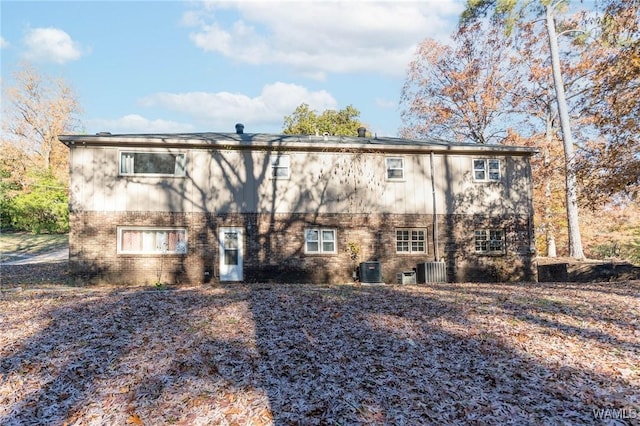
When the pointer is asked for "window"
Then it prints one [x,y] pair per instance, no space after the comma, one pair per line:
[320,241]
[152,163]
[152,240]
[395,168]
[280,167]
[411,241]
[489,241]
[486,170]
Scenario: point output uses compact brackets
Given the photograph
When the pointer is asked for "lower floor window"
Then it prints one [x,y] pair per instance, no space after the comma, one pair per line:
[490,241]
[410,241]
[138,240]
[320,241]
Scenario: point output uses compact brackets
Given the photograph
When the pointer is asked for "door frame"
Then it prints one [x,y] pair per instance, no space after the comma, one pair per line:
[231,272]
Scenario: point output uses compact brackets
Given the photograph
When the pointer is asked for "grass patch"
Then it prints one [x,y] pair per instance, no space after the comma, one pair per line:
[26,243]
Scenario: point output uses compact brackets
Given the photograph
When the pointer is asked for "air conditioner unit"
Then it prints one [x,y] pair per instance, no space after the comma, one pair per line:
[406,277]
[370,273]
[431,272]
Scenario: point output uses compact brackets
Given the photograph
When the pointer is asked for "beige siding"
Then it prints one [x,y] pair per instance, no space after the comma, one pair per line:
[233,181]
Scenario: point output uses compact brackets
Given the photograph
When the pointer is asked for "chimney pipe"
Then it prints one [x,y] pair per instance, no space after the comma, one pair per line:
[362,132]
[239,128]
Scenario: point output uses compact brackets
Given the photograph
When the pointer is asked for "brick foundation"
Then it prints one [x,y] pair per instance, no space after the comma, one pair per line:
[274,247]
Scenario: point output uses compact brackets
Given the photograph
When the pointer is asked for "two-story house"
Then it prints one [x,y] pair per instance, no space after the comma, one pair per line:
[192,208]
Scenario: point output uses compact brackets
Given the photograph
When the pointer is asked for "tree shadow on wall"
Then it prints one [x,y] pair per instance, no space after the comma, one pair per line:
[235,187]
[504,205]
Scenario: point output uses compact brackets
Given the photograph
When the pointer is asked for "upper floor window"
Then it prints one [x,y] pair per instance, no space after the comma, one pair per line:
[320,241]
[147,240]
[280,167]
[395,168]
[152,163]
[486,170]
[489,241]
[411,241]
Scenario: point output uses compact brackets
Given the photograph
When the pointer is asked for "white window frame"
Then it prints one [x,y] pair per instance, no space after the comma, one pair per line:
[493,239]
[491,169]
[320,240]
[412,241]
[280,162]
[180,166]
[390,169]
[154,245]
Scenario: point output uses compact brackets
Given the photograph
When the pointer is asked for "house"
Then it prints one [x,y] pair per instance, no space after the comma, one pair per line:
[200,207]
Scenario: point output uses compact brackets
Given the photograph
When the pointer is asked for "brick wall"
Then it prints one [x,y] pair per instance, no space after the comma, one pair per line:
[274,247]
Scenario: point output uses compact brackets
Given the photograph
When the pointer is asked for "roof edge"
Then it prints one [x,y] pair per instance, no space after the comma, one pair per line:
[261,141]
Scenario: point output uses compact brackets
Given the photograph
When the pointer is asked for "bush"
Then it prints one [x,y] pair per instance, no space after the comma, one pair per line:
[43,207]
[628,250]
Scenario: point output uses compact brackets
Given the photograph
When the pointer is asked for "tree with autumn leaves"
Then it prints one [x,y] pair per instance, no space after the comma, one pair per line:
[34,169]
[519,103]
[612,163]
[460,92]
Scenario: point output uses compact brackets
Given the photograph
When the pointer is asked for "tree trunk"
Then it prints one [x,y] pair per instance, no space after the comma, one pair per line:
[575,242]
[550,229]
[548,225]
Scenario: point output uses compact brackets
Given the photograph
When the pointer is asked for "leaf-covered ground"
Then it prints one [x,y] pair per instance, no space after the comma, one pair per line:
[305,354]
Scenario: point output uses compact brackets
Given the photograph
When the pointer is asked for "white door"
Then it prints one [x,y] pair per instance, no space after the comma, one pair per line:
[231,254]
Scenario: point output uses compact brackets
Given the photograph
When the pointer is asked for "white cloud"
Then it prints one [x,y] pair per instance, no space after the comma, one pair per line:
[134,123]
[3,43]
[386,103]
[323,36]
[222,110]
[51,45]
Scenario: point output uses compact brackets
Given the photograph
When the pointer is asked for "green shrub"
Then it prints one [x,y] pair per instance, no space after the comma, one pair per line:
[43,207]
[631,250]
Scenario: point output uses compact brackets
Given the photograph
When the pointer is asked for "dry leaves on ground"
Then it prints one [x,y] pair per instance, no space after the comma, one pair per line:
[303,354]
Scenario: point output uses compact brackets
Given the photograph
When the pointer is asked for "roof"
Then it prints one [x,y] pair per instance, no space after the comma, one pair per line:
[264,141]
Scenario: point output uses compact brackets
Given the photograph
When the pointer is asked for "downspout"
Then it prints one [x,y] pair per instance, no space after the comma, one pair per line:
[435,210]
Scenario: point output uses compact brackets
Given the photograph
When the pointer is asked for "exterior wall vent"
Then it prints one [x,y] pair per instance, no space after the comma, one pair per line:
[431,272]
[371,272]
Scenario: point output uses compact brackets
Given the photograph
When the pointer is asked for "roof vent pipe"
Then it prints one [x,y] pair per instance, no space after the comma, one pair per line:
[362,132]
[239,128]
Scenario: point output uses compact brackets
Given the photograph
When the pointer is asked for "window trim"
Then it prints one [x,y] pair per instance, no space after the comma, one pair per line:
[387,169]
[320,241]
[121,229]
[487,169]
[152,151]
[487,235]
[273,167]
[410,241]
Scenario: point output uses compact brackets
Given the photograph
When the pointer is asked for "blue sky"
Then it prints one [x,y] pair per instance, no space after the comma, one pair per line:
[186,66]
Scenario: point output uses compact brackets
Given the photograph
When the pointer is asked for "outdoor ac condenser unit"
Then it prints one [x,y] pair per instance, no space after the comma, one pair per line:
[431,272]
[370,273]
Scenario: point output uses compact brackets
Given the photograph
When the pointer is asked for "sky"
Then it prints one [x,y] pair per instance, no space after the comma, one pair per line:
[187,66]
